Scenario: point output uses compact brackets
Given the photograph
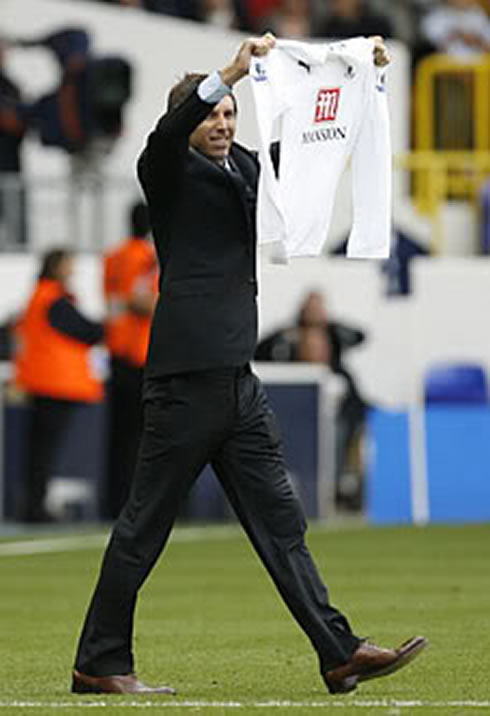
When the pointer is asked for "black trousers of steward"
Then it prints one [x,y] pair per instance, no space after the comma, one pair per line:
[49,424]
[221,417]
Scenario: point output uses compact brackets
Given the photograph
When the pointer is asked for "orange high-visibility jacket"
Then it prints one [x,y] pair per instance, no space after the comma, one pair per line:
[129,268]
[47,362]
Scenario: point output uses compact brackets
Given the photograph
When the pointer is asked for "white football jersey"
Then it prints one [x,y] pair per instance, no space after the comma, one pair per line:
[327,103]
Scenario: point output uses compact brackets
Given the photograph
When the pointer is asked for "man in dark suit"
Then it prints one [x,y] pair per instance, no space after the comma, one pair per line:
[202,402]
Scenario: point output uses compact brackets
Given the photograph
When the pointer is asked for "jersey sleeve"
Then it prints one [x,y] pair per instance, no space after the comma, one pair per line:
[372,175]
[271,98]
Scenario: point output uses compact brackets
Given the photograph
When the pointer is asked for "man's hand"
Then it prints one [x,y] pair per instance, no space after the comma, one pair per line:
[381,54]
[256,47]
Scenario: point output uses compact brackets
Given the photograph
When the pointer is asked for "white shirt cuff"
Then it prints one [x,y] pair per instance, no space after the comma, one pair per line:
[213,89]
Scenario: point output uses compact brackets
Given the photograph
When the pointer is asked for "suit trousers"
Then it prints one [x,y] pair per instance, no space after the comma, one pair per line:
[221,417]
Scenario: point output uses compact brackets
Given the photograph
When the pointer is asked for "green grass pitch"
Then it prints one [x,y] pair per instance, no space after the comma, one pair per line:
[210,623]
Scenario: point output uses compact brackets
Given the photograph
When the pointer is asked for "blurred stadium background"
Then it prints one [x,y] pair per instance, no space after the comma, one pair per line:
[421,452]
[422,312]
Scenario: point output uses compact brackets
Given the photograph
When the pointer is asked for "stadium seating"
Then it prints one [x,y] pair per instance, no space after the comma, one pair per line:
[456,383]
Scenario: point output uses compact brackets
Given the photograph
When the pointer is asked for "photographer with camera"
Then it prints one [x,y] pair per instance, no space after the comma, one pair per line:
[12,131]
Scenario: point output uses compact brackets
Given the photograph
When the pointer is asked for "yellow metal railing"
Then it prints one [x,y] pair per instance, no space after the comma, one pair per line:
[441,175]
[452,104]
[452,134]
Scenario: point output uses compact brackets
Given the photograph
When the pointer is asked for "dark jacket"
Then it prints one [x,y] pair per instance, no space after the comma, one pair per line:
[203,222]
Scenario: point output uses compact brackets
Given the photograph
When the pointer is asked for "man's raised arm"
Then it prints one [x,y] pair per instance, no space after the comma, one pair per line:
[167,144]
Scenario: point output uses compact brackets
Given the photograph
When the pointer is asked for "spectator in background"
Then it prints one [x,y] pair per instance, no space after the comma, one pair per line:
[291,18]
[130,290]
[349,18]
[186,9]
[215,12]
[458,27]
[396,268]
[84,114]
[314,324]
[317,339]
[219,13]
[125,3]
[12,130]
[54,366]
[247,15]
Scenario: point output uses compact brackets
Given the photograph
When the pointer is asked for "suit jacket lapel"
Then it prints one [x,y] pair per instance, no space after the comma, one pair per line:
[246,165]
[243,182]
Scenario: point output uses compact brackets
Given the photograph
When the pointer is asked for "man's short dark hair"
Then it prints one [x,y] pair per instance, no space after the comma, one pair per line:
[183,88]
[186,86]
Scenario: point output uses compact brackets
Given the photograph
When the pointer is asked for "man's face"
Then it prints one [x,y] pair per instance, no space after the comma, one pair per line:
[213,137]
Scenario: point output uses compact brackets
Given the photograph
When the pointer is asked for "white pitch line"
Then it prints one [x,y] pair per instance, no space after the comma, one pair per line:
[96,541]
[75,543]
[161,704]
[56,544]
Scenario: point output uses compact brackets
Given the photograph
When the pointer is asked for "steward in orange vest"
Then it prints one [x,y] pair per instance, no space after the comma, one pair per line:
[55,365]
[130,290]
[52,360]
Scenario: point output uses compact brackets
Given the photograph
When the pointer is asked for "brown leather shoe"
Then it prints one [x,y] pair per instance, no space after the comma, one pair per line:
[120,684]
[371,662]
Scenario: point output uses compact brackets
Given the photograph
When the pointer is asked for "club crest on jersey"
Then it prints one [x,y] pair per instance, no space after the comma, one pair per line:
[259,74]
[327,104]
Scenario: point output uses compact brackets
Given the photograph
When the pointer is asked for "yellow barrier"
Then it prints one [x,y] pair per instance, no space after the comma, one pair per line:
[452,104]
[452,128]
[442,175]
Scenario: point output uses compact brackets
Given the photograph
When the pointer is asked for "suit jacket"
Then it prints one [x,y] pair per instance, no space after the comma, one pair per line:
[203,222]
